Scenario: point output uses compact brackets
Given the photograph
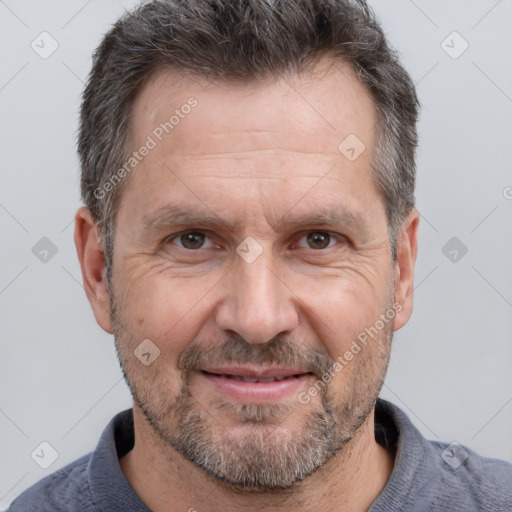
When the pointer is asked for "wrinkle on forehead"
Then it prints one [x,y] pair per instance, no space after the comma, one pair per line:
[311,113]
[258,147]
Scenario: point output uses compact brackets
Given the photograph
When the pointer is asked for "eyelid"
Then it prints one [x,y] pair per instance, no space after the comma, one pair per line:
[170,238]
[334,236]
[337,236]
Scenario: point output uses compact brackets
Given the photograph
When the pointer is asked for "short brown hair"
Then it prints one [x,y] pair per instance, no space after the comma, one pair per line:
[243,41]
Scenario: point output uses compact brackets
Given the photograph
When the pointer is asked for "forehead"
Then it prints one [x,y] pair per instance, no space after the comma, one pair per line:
[320,108]
[284,134]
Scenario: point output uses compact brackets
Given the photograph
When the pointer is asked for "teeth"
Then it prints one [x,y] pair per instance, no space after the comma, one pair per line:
[263,380]
[247,379]
[252,380]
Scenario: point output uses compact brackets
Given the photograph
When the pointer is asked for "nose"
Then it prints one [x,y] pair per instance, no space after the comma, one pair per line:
[257,303]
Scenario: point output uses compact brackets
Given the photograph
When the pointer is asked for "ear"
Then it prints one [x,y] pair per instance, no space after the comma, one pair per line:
[92,263]
[407,246]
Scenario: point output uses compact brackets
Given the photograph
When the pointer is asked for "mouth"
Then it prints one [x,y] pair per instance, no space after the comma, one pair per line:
[252,379]
[252,385]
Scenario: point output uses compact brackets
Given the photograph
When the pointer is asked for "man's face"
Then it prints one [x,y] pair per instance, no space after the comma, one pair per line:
[252,252]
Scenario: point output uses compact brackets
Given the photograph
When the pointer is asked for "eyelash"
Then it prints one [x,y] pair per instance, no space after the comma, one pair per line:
[334,237]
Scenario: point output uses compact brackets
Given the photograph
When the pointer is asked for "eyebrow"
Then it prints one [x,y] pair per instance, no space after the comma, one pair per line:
[324,217]
[173,216]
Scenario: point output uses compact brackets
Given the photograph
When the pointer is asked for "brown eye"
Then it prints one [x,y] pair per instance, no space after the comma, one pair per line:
[318,239]
[192,240]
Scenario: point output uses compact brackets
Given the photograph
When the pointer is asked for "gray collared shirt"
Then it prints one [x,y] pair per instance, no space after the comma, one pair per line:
[428,475]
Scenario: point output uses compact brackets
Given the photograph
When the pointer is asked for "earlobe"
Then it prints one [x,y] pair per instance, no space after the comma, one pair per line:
[92,263]
[407,246]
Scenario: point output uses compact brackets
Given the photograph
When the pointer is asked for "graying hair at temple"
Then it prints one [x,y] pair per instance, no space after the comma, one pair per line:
[242,41]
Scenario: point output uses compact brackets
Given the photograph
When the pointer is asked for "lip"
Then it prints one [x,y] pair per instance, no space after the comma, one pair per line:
[254,372]
[230,381]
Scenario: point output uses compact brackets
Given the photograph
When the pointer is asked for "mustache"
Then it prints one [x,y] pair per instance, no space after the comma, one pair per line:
[279,351]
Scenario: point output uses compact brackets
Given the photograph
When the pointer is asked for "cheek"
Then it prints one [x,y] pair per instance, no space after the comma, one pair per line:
[339,309]
[167,310]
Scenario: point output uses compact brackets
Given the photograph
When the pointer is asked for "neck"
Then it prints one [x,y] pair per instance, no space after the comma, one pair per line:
[164,480]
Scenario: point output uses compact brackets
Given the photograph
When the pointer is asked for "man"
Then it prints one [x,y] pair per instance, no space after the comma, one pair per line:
[249,237]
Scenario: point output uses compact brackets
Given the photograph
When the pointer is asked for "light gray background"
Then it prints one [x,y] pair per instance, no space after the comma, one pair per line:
[451,365]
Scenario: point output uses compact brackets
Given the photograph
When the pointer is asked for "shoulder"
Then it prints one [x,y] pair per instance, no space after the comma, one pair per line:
[93,482]
[483,482]
[65,490]
[436,476]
